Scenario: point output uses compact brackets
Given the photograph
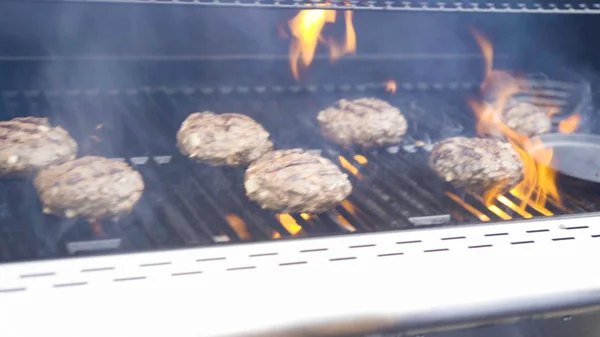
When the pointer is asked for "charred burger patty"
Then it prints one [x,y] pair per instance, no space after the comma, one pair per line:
[476,164]
[367,122]
[296,181]
[28,144]
[526,118]
[90,187]
[226,139]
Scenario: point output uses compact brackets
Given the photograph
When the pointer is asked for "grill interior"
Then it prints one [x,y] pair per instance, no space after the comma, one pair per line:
[187,204]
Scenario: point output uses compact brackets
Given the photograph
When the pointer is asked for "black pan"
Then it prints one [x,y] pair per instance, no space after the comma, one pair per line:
[575,155]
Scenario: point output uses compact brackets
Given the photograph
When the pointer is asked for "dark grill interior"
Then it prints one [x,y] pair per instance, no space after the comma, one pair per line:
[187,205]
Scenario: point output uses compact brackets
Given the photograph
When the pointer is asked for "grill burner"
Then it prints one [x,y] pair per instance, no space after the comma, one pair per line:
[187,204]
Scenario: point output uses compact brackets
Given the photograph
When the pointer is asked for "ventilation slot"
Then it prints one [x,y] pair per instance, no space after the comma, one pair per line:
[454,238]
[362,246]
[436,250]
[211,259]
[74,284]
[577,227]
[408,242]
[37,275]
[342,258]
[155,264]
[496,234]
[241,268]
[129,279]
[263,254]
[390,254]
[480,246]
[563,239]
[97,269]
[10,290]
[521,242]
[538,231]
[187,273]
[313,250]
[292,263]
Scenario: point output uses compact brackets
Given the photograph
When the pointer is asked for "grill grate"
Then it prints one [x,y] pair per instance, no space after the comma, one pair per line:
[187,204]
[496,6]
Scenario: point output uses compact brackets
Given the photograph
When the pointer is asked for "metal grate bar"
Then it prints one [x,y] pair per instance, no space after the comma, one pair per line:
[492,6]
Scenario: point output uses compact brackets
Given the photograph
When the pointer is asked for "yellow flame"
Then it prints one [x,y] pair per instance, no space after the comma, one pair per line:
[238,225]
[494,209]
[289,223]
[337,50]
[351,168]
[539,181]
[360,159]
[468,207]
[306,28]
[514,207]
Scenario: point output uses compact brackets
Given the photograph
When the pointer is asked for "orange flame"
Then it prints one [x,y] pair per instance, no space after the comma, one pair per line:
[349,167]
[539,179]
[570,124]
[360,159]
[390,86]
[337,50]
[468,207]
[306,29]
[238,225]
[289,223]
[345,223]
[348,206]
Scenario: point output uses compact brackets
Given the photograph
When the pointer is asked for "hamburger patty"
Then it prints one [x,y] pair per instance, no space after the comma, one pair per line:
[28,144]
[526,118]
[226,139]
[476,164]
[296,181]
[367,122]
[90,187]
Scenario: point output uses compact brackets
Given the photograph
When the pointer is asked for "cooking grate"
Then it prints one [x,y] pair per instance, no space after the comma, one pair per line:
[187,204]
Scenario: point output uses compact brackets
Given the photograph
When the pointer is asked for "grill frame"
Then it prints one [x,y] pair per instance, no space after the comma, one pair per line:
[57,292]
[487,285]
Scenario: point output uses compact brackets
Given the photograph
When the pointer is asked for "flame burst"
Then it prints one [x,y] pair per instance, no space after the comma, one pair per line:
[289,223]
[570,124]
[306,30]
[390,86]
[538,183]
[239,226]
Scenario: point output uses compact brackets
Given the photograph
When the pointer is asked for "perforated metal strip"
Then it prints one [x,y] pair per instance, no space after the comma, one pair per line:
[418,281]
[558,7]
[291,254]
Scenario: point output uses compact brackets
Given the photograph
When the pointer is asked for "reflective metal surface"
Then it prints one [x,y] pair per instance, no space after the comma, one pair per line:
[416,282]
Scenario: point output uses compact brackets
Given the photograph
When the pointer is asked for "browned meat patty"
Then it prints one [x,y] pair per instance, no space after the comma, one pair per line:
[90,187]
[476,164]
[296,181]
[28,144]
[526,118]
[226,139]
[367,122]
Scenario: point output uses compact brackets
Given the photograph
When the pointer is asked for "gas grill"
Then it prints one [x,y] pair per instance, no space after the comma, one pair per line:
[405,254]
